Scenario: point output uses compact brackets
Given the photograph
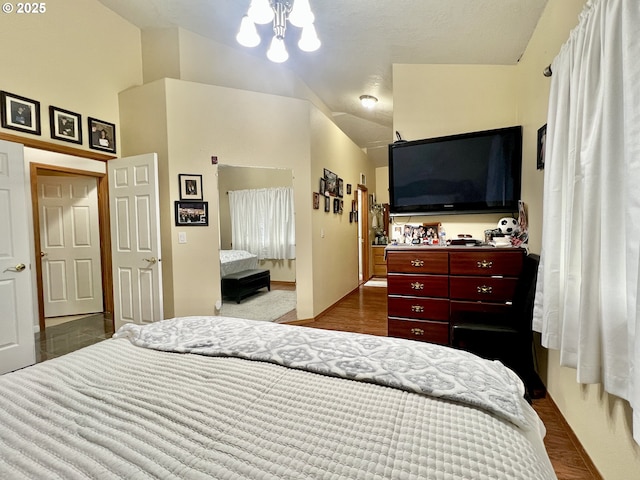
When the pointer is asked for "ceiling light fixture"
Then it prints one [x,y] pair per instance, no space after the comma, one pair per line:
[368,101]
[297,12]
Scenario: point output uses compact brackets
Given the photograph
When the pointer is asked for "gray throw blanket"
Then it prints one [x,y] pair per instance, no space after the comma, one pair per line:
[408,365]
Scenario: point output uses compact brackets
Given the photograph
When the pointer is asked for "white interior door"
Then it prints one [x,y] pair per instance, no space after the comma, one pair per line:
[17,319]
[135,239]
[70,245]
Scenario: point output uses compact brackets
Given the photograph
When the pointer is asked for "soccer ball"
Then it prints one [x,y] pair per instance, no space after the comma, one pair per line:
[507,225]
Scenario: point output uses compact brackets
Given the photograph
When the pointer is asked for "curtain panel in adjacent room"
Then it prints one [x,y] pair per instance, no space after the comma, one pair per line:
[263,222]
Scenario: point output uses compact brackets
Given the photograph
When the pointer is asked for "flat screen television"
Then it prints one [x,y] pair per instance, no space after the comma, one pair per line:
[477,172]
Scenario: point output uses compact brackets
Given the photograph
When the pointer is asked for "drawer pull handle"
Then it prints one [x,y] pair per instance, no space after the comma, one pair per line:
[485,264]
[417,331]
[417,286]
[417,308]
[485,289]
[417,263]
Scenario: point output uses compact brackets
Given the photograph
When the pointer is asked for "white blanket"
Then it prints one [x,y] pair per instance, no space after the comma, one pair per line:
[117,411]
[234,261]
[413,366]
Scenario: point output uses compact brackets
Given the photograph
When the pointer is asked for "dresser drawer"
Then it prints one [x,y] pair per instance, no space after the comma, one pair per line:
[480,312]
[422,260]
[419,307]
[424,331]
[418,285]
[486,262]
[485,289]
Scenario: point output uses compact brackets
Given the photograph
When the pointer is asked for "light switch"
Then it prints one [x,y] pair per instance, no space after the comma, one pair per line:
[182,237]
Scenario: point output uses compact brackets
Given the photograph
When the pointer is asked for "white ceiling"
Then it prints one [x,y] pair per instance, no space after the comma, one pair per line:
[361,39]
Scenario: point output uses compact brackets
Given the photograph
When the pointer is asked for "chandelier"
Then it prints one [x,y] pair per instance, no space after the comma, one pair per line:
[297,12]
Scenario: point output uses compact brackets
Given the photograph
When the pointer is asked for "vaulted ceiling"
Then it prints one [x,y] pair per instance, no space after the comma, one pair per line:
[361,39]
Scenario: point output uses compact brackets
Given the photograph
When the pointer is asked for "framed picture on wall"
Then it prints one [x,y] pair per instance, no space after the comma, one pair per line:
[316,200]
[192,214]
[102,135]
[542,140]
[65,125]
[327,204]
[20,113]
[331,183]
[190,186]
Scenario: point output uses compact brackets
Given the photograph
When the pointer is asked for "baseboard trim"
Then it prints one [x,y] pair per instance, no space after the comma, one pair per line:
[574,440]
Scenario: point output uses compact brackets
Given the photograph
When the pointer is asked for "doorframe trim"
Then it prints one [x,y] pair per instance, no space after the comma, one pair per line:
[364,218]
[36,169]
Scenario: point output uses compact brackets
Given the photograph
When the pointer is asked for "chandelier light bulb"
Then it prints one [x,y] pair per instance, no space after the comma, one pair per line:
[248,34]
[368,101]
[280,12]
[260,11]
[277,51]
[301,14]
[309,41]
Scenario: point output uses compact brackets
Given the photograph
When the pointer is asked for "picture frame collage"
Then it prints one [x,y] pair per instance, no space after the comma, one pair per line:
[23,115]
[331,188]
[191,210]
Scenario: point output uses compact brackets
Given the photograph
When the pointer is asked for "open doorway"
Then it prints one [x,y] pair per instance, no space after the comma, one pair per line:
[74,289]
[249,186]
[363,234]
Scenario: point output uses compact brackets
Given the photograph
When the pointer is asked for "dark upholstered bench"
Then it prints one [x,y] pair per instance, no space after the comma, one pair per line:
[242,284]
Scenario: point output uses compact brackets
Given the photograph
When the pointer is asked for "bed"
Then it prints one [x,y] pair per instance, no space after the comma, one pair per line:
[216,397]
[234,261]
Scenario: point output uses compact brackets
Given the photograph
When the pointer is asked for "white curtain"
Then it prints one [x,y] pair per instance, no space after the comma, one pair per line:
[587,295]
[263,223]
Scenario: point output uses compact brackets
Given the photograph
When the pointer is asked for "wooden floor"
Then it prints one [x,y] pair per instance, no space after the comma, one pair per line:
[365,311]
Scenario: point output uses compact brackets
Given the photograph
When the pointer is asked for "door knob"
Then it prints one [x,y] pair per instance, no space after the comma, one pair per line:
[151,260]
[43,254]
[18,268]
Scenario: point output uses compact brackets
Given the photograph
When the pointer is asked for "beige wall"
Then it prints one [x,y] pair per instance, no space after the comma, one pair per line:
[436,100]
[334,240]
[432,100]
[77,56]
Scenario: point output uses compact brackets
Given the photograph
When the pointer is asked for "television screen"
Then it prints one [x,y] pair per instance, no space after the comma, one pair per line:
[475,172]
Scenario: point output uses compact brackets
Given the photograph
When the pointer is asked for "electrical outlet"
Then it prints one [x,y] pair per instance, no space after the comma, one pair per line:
[182,237]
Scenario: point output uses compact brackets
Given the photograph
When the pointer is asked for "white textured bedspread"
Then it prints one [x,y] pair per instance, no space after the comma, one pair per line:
[115,410]
[234,261]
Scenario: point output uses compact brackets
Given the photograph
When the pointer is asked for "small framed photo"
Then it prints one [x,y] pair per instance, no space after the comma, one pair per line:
[336,205]
[192,214]
[20,113]
[323,186]
[340,188]
[542,140]
[327,204]
[65,125]
[348,189]
[316,200]
[190,186]
[331,183]
[102,135]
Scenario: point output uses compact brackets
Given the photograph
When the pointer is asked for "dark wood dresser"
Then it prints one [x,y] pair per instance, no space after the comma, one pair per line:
[431,287]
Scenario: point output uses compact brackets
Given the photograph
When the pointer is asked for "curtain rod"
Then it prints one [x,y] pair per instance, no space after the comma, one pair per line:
[547,71]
